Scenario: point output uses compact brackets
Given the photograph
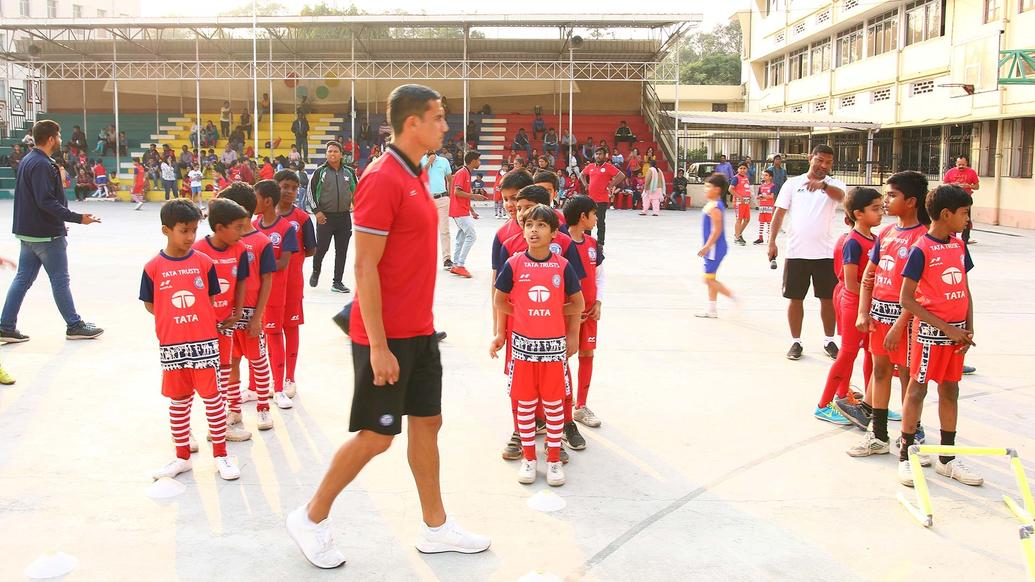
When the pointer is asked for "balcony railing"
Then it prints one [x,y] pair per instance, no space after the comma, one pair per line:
[1017,67]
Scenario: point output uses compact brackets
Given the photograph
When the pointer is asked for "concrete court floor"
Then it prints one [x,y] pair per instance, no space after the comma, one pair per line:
[708,466]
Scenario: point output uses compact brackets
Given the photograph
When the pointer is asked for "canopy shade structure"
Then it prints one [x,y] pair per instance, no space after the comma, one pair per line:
[772,120]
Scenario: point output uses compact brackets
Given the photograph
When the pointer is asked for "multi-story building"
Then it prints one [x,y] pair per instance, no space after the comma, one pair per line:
[929,71]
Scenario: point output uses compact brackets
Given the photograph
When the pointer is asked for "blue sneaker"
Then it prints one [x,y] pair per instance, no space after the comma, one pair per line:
[968,370]
[894,416]
[852,412]
[921,437]
[830,415]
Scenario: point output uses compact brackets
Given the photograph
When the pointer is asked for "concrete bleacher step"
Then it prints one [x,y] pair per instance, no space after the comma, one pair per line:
[182,119]
[492,138]
[493,120]
[162,136]
[494,129]
[492,156]
[489,147]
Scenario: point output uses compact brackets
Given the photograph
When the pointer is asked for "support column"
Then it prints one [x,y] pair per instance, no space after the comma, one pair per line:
[675,167]
[115,94]
[571,99]
[86,128]
[158,121]
[255,81]
[352,99]
[869,157]
[269,113]
[467,32]
[197,94]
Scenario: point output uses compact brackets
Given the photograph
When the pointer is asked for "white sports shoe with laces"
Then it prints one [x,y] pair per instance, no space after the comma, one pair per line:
[172,469]
[264,420]
[527,472]
[249,396]
[282,401]
[227,468]
[290,388]
[450,537]
[314,539]
[555,474]
[955,469]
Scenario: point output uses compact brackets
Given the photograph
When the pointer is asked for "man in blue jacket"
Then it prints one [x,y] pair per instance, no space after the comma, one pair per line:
[40,213]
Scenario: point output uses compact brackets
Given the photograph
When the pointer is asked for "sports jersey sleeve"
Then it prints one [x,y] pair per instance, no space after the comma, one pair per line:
[290,243]
[914,268]
[571,281]
[308,235]
[601,283]
[213,282]
[505,278]
[267,261]
[243,266]
[851,252]
[147,288]
[497,247]
[376,203]
[783,199]
[875,251]
[968,263]
[572,255]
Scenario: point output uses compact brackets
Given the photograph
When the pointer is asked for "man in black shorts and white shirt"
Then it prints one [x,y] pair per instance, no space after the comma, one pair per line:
[395,357]
[809,202]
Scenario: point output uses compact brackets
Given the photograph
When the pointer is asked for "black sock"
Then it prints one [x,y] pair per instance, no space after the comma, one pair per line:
[867,409]
[907,441]
[948,438]
[880,423]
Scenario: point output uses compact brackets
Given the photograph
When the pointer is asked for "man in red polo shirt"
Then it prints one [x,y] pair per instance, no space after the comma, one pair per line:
[600,177]
[395,358]
[965,177]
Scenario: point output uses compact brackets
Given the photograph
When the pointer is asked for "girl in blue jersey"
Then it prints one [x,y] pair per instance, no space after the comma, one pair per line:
[714,249]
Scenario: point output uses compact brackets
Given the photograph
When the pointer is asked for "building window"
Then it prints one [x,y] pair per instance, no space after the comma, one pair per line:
[52,8]
[77,11]
[882,34]
[23,7]
[799,28]
[923,21]
[921,150]
[959,142]
[986,150]
[847,5]
[772,6]
[879,95]
[1025,5]
[1018,139]
[774,72]
[780,38]
[820,56]
[720,107]
[921,88]
[849,46]
[847,101]
[795,108]
[798,64]
[992,9]
[824,17]
[819,106]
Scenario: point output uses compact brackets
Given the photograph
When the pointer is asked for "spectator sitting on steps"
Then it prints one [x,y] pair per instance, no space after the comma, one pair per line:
[521,143]
[624,134]
[550,141]
[538,127]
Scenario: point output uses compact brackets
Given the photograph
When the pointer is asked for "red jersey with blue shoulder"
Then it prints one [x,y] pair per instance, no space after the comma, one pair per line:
[855,249]
[185,322]
[940,269]
[591,258]
[889,254]
[561,245]
[283,238]
[260,261]
[538,291]
[742,189]
[509,229]
[231,269]
[766,200]
[306,235]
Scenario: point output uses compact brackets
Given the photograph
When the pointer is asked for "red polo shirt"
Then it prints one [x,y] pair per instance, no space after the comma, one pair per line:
[393,200]
[599,176]
[460,206]
[964,176]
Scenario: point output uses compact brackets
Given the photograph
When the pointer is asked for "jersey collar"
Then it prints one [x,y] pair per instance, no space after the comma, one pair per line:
[403,160]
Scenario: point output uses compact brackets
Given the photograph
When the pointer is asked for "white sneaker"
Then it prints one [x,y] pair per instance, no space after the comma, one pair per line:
[450,537]
[585,416]
[264,420]
[193,444]
[139,206]
[314,539]
[290,388]
[249,396]
[955,469]
[227,468]
[282,401]
[236,433]
[172,469]
[555,474]
[707,314]
[527,472]
[869,445]
[905,473]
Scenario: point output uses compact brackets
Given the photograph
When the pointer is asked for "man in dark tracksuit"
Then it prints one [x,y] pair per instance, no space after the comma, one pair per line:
[330,199]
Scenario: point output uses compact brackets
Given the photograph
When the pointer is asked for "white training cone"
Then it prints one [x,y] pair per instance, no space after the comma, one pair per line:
[165,488]
[547,500]
[539,576]
[51,566]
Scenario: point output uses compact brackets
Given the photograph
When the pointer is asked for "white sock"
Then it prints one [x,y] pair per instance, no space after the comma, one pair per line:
[796,340]
[713,306]
[827,340]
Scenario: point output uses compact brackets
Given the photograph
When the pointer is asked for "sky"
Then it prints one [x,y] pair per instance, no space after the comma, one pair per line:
[713,12]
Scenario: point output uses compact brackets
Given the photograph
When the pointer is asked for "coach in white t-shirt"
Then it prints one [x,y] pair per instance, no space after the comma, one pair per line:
[809,202]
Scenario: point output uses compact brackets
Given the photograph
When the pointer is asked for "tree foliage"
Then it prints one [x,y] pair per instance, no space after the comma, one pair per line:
[712,58]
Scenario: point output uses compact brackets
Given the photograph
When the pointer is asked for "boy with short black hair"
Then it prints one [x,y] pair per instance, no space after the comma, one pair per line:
[284,239]
[740,188]
[541,293]
[176,287]
[766,204]
[580,212]
[936,290]
[294,316]
[679,185]
[228,220]
[249,339]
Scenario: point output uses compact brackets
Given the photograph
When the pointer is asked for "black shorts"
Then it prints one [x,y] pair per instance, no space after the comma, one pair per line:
[798,272]
[417,393]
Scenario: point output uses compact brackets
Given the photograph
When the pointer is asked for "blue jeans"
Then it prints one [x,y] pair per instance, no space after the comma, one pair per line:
[465,237]
[52,256]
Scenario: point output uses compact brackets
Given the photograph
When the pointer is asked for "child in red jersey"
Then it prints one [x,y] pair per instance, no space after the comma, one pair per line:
[880,313]
[284,239]
[293,314]
[176,288]
[540,291]
[249,338]
[935,289]
[740,187]
[580,212]
[228,220]
[766,203]
[864,210]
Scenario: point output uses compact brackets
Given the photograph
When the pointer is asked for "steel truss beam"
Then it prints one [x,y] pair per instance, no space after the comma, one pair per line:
[360,70]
